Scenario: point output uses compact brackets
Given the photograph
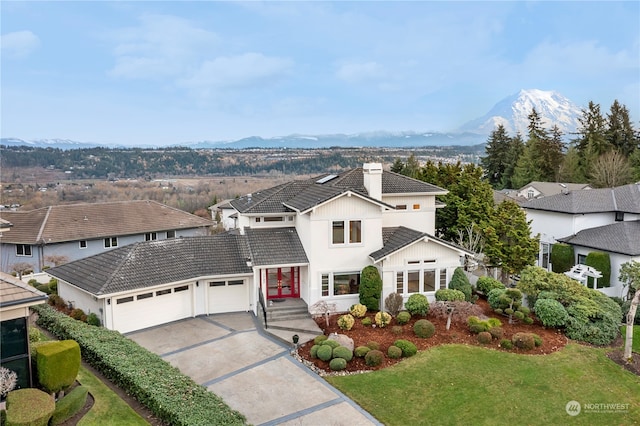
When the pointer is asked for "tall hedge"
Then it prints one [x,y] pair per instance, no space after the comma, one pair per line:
[57,364]
[370,288]
[600,261]
[562,257]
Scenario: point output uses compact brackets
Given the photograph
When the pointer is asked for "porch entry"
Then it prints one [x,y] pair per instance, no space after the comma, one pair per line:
[283,282]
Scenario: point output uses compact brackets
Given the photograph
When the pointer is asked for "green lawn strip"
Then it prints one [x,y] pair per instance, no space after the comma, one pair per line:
[108,407]
[457,384]
[635,347]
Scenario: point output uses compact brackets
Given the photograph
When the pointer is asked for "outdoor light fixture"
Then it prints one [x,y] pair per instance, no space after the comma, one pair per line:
[295,338]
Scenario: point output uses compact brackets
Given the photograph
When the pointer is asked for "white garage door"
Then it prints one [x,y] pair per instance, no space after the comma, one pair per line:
[151,308]
[228,296]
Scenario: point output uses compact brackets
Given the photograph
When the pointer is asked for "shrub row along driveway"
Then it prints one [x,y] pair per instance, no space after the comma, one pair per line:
[252,372]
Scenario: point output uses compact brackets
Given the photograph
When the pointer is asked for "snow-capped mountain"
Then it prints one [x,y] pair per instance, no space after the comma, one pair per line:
[513,111]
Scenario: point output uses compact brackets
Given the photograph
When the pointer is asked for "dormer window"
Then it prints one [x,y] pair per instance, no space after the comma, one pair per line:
[530,194]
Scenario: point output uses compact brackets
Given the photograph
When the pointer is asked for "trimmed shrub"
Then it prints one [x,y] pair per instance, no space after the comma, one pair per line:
[424,328]
[44,288]
[35,335]
[382,319]
[319,339]
[484,337]
[345,322]
[600,261]
[449,295]
[331,343]
[366,321]
[496,332]
[29,406]
[77,314]
[92,319]
[537,340]
[486,284]
[524,341]
[519,315]
[33,282]
[338,364]
[343,352]
[403,317]
[313,352]
[408,348]
[370,288]
[524,310]
[551,313]
[373,358]
[397,330]
[528,320]
[393,303]
[57,364]
[417,304]
[374,346]
[324,352]
[358,310]
[494,298]
[459,281]
[562,257]
[506,344]
[494,322]
[361,351]
[394,352]
[68,406]
[53,285]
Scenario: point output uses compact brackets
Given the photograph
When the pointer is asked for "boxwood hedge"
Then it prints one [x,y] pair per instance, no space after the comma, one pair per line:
[169,394]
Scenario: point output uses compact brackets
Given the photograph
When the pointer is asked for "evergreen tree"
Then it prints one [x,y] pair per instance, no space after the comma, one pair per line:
[412,168]
[592,141]
[397,166]
[496,161]
[620,133]
[515,150]
[570,170]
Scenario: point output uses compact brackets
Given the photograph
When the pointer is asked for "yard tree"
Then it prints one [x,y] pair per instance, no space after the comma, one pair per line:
[538,159]
[570,169]
[397,166]
[620,133]
[496,160]
[508,240]
[515,150]
[370,288]
[592,140]
[630,275]
[611,169]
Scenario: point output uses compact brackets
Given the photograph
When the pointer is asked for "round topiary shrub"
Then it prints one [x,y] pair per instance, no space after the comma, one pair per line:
[338,364]
[460,282]
[528,320]
[519,315]
[358,310]
[345,322]
[496,332]
[382,319]
[397,330]
[506,344]
[319,339]
[524,341]
[551,313]
[424,328]
[407,347]
[486,284]
[394,352]
[370,289]
[366,321]
[403,317]
[314,351]
[331,343]
[324,352]
[484,337]
[342,352]
[417,304]
[373,358]
[524,310]
[449,295]
[494,322]
[374,346]
[361,351]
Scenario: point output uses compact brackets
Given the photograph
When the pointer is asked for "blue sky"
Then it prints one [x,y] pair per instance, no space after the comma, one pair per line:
[170,72]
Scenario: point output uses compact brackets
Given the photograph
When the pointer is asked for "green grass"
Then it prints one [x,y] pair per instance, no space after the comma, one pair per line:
[635,347]
[108,408]
[456,384]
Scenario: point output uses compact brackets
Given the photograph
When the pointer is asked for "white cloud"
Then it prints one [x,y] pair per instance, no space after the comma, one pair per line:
[19,44]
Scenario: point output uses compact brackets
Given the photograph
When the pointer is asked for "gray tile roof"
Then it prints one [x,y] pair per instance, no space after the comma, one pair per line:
[398,237]
[151,263]
[619,237]
[74,222]
[305,194]
[622,198]
[275,246]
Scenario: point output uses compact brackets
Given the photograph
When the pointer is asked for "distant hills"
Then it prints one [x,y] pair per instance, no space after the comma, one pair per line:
[511,111]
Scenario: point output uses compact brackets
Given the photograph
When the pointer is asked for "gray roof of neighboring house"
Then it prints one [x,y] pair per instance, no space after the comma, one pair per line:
[15,292]
[619,199]
[398,237]
[304,194]
[553,188]
[619,237]
[275,246]
[74,222]
[152,263]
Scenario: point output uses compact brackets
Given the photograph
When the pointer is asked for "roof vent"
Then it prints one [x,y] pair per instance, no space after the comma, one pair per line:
[248,198]
[86,218]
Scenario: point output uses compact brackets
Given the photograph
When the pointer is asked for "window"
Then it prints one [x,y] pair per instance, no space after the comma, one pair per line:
[325,284]
[171,234]
[338,229]
[355,231]
[530,193]
[150,236]
[443,278]
[336,284]
[422,280]
[544,260]
[416,206]
[14,341]
[217,284]
[401,207]
[400,282]
[582,258]
[257,219]
[144,296]
[273,219]
[124,300]
[619,216]
[429,280]
[413,282]
[23,250]
[181,288]
[82,244]
[338,232]
[163,292]
[111,242]
[236,282]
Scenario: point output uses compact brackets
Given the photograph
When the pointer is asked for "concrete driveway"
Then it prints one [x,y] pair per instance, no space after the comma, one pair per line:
[254,373]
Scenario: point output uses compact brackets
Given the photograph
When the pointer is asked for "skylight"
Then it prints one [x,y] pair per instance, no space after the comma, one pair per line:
[326,179]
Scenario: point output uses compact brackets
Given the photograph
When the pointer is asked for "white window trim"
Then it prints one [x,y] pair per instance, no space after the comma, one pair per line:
[24,246]
[86,244]
[331,289]
[420,269]
[347,228]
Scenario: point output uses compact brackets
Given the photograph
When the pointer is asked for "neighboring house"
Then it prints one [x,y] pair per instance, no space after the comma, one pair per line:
[75,231]
[507,195]
[15,299]
[605,220]
[546,189]
[225,212]
[307,239]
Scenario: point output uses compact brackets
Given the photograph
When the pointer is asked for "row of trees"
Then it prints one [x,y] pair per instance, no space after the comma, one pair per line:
[604,153]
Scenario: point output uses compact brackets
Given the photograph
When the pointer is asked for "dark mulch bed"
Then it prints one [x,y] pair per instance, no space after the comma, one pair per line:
[632,366]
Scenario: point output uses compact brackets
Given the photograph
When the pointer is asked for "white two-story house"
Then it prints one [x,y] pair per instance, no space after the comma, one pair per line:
[307,239]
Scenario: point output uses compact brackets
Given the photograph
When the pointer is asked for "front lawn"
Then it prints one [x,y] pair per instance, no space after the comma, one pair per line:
[459,384]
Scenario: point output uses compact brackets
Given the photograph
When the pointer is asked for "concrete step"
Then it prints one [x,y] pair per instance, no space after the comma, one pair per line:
[284,316]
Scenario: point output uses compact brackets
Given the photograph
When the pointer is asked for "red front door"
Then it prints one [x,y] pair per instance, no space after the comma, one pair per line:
[283,282]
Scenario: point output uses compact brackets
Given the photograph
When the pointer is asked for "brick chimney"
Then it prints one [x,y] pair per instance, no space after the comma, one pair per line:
[372,173]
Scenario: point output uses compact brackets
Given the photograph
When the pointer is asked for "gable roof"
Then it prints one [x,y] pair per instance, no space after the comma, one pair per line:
[619,237]
[398,237]
[15,292]
[275,246]
[619,199]
[305,194]
[73,222]
[553,188]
